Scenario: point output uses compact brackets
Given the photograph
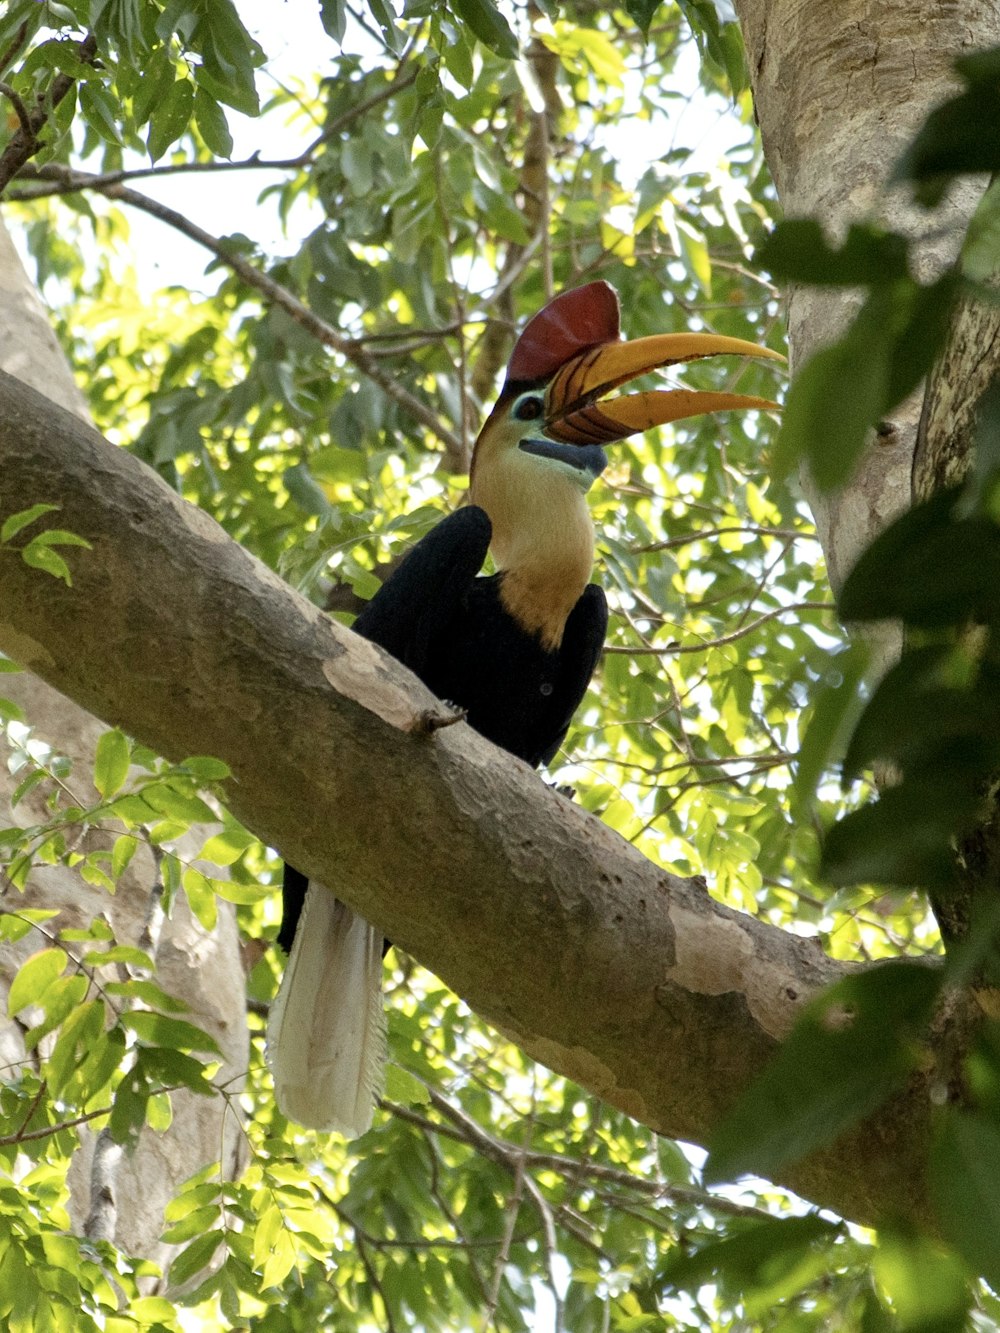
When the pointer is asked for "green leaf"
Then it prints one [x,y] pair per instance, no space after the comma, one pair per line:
[128,1111]
[212,124]
[838,395]
[965,1188]
[157,79]
[102,111]
[26,785]
[34,978]
[333,16]
[60,999]
[175,1068]
[111,762]
[836,709]
[906,836]
[931,568]
[852,1047]
[952,140]
[641,13]
[170,118]
[198,1254]
[226,847]
[40,556]
[121,854]
[845,389]
[230,54]
[185,807]
[15,925]
[206,768]
[915,708]
[488,24]
[243,894]
[504,218]
[201,897]
[798,251]
[129,954]
[13,525]
[81,1044]
[383,15]
[923,1283]
[158,1030]
[404,1087]
[152,995]
[750,1257]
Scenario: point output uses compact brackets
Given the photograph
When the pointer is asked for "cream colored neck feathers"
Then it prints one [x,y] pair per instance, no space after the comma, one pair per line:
[543,536]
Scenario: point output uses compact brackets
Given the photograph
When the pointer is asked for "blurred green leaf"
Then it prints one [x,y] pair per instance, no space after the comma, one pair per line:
[954,139]
[853,1046]
[965,1186]
[930,568]
[169,118]
[488,24]
[797,251]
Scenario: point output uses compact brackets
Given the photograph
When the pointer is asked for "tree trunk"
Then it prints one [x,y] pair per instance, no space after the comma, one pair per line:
[839,90]
[113,1196]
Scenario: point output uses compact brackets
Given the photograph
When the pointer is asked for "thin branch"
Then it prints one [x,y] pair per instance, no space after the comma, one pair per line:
[27,141]
[669,649]
[511,1212]
[285,300]
[21,111]
[706,534]
[17,41]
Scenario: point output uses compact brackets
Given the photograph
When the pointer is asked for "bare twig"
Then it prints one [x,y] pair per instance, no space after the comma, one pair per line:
[511,1212]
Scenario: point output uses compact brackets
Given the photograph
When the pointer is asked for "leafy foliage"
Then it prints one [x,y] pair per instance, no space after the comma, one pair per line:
[317,391]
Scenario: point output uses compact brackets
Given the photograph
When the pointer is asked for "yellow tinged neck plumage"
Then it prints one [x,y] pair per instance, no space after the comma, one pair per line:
[543,536]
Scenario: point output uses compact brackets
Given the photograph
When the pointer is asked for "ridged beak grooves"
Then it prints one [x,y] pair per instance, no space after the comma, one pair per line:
[578,411]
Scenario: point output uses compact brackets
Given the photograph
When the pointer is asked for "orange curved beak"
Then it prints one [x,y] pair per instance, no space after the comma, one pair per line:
[577,410]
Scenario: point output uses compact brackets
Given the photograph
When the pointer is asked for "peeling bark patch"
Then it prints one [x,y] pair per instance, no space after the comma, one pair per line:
[24,650]
[583,1067]
[723,960]
[360,675]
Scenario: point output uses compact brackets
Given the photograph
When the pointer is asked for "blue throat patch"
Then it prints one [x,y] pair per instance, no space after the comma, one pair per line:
[584,457]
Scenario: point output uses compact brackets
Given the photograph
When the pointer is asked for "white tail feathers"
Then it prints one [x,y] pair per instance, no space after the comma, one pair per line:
[326,1033]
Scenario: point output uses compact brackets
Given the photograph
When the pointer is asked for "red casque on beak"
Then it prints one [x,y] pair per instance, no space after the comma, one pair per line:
[578,411]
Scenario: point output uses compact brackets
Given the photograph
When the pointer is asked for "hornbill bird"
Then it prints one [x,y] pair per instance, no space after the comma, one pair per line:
[515,649]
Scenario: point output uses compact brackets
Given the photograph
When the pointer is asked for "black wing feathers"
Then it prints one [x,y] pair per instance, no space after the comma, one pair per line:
[414,607]
[452,630]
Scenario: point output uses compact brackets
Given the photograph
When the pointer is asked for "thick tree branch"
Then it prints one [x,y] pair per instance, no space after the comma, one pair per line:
[621,975]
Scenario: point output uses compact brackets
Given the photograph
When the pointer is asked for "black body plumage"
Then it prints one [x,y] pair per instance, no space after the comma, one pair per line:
[438,616]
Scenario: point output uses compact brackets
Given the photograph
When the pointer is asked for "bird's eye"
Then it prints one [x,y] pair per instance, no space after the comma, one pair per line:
[529,407]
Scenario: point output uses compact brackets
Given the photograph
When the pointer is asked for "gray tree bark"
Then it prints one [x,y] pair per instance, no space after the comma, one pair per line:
[119,1197]
[839,90]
